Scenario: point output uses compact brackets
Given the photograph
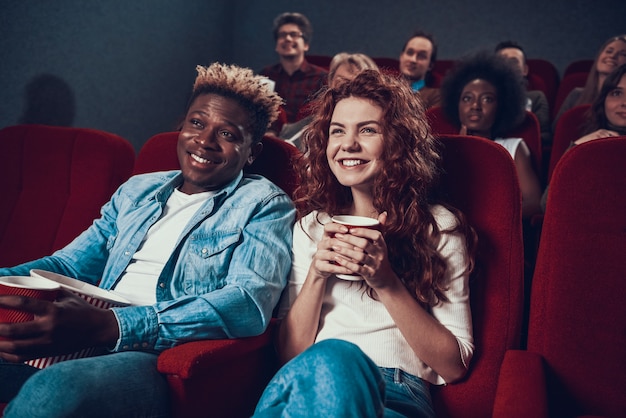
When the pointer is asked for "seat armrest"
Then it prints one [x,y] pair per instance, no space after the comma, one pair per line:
[199,357]
[205,377]
[522,389]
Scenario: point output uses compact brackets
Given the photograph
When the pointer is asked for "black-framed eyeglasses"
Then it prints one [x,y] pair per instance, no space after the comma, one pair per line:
[293,35]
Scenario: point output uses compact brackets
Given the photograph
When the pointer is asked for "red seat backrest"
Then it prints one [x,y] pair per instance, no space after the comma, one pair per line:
[319,60]
[568,128]
[480,180]
[275,161]
[442,66]
[54,182]
[537,83]
[387,63]
[529,130]
[577,312]
[579,66]
[568,84]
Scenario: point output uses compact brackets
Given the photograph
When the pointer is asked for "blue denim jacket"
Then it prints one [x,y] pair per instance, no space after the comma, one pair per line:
[223,279]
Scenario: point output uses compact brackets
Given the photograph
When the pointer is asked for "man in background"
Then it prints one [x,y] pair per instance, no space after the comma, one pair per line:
[296,79]
[416,62]
[536,100]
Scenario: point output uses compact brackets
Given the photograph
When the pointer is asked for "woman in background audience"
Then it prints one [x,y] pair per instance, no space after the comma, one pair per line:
[607,115]
[484,96]
[611,55]
[373,345]
[344,66]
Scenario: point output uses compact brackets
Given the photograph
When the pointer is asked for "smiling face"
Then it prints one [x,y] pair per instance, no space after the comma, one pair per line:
[355,143]
[612,56]
[415,59]
[615,105]
[214,143]
[289,41]
[478,106]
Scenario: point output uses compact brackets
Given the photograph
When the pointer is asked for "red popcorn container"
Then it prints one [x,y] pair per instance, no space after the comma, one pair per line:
[32,287]
[96,296]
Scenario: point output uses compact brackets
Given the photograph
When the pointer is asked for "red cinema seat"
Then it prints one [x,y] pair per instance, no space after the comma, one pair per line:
[54,182]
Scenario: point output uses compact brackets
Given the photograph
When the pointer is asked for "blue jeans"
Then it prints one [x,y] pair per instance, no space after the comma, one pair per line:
[125,384]
[334,378]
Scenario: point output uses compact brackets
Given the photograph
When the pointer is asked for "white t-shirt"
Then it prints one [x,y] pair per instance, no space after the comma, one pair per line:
[510,144]
[138,283]
[349,314]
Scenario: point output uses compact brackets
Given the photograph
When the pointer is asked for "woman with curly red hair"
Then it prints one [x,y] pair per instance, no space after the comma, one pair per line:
[372,345]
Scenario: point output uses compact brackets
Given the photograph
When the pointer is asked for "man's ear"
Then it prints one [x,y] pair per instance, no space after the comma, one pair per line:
[255,151]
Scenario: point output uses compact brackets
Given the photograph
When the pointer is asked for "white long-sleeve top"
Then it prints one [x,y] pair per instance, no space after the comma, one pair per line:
[349,314]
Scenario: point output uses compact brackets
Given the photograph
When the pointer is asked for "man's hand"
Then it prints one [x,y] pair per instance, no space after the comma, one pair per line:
[67,325]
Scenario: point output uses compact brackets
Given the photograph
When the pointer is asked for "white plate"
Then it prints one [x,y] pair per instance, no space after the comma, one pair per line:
[83,289]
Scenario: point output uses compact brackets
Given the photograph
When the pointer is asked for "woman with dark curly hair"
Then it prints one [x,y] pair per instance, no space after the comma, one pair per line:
[485,96]
[374,343]
[607,114]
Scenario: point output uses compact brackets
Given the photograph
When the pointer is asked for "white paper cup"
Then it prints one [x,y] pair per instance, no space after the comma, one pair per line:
[96,296]
[352,221]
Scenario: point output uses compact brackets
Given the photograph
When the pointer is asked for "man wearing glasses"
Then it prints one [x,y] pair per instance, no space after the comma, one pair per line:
[296,79]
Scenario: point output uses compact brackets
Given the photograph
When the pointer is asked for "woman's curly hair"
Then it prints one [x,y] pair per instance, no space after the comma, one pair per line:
[493,68]
[243,86]
[411,161]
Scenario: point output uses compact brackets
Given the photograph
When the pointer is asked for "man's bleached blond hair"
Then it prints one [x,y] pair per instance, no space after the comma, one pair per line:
[242,85]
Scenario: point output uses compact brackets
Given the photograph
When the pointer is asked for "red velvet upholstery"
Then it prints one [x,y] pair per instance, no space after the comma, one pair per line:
[537,83]
[54,182]
[568,84]
[481,180]
[575,361]
[319,60]
[578,66]
[442,66]
[219,378]
[548,72]
[568,128]
[274,163]
[529,130]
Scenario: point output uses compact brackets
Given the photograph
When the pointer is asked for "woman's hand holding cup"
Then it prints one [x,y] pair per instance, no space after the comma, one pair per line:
[354,242]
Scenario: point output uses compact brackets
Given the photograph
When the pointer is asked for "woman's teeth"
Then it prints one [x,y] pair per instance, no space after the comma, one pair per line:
[351,163]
